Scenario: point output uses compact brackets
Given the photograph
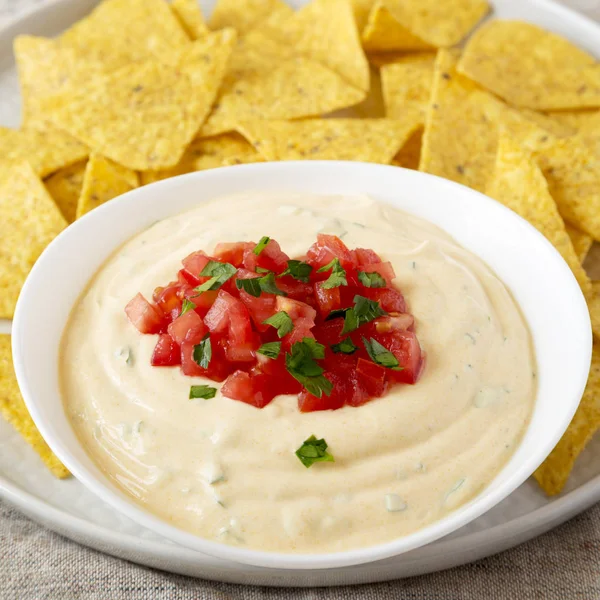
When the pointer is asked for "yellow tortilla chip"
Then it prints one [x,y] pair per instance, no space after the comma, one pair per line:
[244,15]
[407,84]
[518,183]
[30,221]
[47,150]
[459,141]
[294,89]
[553,473]
[594,306]
[554,126]
[361,10]
[580,120]
[325,31]
[13,409]
[103,180]
[119,32]
[582,242]
[383,33]
[65,188]
[145,114]
[190,18]
[208,153]
[531,67]
[409,155]
[369,140]
[579,205]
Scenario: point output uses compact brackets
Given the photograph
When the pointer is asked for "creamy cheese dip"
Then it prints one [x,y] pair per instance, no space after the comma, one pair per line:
[227,471]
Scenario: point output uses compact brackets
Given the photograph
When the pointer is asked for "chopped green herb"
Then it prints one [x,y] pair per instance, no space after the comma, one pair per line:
[267,285]
[261,270]
[312,451]
[337,313]
[203,352]
[256,285]
[282,322]
[363,311]
[346,346]
[202,391]
[301,366]
[270,349]
[262,244]
[371,280]
[218,272]
[298,270]
[186,306]
[337,277]
[380,355]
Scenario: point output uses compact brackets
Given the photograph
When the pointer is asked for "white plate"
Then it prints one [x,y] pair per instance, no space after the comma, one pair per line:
[66,507]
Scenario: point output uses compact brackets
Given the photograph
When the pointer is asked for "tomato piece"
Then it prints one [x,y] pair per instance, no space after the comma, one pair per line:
[340,394]
[232,253]
[364,256]
[251,388]
[166,352]
[167,298]
[229,314]
[143,315]
[327,299]
[195,262]
[218,367]
[329,332]
[186,326]
[371,377]
[325,249]
[202,301]
[302,329]
[271,258]
[404,345]
[260,308]
[391,300]
[217,318]
[187,279]
[297,290]
[385,269]
[401,322]
[295,309]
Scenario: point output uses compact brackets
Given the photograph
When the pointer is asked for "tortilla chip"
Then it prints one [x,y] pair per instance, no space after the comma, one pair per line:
[294,89]
[519,184]
[582,242]
[208,153]
[579,205]
[145,114]
[65,188]
[553,473]
[30,221]
[407,84]
[409,155]
[459,141]
[372,107]
[244,15]
[325,31]
[368,140]
[383,33]
[361,10]
[554,126]
[47,150]
[581,121]
[13,409]
[594,306]
[190,18]
[103,180]
[531,67]
[119,32]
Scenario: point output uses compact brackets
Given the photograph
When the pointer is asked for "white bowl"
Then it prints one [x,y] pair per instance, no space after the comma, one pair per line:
[539,279]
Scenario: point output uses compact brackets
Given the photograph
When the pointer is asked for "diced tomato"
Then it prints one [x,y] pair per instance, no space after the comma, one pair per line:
[385,269]
[280,381]
[167,299]
[166,352]
[296,309]
[218,368]
[327,299]
[364,256]
[302,329]
[185,277]
[233,253]
[401,322]
[389,299]
[229,313]
[195,262]
[325,249]
[186,326]
[295,289]
[404,345]
[217,318]
[371,377]
[260,308]
[271,258]
[145,317]
[251,388]
[329,332]
[342,392]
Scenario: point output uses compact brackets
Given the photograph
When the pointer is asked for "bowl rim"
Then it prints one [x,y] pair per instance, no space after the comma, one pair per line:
[464,514]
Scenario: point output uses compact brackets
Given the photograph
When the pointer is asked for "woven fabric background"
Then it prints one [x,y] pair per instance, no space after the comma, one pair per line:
[36,564]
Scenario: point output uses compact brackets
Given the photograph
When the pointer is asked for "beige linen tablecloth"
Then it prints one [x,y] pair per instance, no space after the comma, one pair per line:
[36,564]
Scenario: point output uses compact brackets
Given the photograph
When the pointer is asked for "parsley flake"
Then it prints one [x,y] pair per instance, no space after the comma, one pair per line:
[380,355]
[282,322]
[346,346]
[363,311]
[298,270]
[371,280]
[312,451]
[256,285]
[337,277]
[218,272]
[301,365]
[270,349]
[206,392]
[186,307]
[262,244]
[202,352]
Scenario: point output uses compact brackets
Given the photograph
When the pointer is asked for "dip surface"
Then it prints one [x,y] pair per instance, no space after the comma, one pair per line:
[227,471]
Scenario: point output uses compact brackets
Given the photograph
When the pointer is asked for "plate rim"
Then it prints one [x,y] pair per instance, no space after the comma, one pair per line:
[440,555]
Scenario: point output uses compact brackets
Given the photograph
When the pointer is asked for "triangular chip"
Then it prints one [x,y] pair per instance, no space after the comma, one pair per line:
[118,32]
[243,15]
[13,409]
[325,31]
[294,89]
[580,120]
[409,155]
[190,17]
[47,150]
[582,242]
[361,10]
[65,188]
[553,473]
[145,114]
[407,84]
[368,140]
[531,67]
[30,221]
[208,153]
[103,180]
[518,183]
